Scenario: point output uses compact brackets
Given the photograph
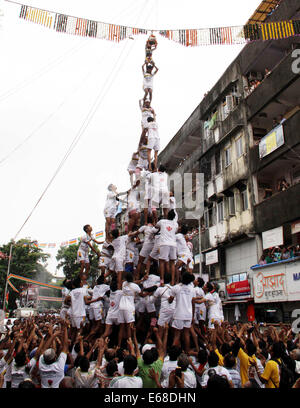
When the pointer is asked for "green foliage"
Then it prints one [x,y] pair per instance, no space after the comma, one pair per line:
[27,261]
[67,258]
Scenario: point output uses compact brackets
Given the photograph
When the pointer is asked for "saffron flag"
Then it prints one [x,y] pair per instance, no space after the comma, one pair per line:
[99,234]
[73,241]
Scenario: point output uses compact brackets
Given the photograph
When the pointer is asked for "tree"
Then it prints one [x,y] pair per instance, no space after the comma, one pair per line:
[67,257]
[28,261]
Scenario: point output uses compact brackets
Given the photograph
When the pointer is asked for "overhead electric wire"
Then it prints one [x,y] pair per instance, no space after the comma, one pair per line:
[3,160]
[27,81]
[52,64]
[82,128]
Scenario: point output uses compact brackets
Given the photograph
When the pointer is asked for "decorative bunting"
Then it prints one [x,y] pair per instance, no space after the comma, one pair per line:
[47,285]
[12,286]
[63,23]
[50,298]
[73,241]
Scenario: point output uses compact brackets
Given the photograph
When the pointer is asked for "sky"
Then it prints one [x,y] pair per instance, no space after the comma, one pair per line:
[50,82]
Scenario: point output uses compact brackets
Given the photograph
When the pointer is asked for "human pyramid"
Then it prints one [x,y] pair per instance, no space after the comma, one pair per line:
[146,274]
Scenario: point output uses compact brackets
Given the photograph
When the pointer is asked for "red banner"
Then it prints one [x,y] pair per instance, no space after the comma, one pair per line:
[241,288]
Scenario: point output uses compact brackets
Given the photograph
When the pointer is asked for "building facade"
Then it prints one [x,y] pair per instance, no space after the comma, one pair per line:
[244,137]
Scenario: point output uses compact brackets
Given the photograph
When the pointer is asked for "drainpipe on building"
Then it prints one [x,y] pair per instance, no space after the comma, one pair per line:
[200,262]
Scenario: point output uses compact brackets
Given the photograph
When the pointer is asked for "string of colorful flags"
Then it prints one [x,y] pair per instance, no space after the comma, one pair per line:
[63,23]
[49,299]
[73,241]
[22,278]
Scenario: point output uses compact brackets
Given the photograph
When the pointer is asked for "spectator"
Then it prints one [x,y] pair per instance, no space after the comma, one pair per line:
[230,364]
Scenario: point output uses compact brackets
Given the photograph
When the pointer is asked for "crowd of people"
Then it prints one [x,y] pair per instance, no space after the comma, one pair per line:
[41,351]
[147,321]
[279,253]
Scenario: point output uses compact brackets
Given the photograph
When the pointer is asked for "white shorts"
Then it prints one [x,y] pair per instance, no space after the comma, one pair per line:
[75,321]
[96,313]
[200,314]
[146,250]
[64,313]
[142,163]
[110,212]
[117,264]
[126,317]
[146,305]
[154,143]
[165,316]
[131,168]
[154,254]
[167,253]
[211,322]
[160,198]
[129,256]
[104,261]
[82,256]
[181,324]
[112,320]
[191,264]
[184,258]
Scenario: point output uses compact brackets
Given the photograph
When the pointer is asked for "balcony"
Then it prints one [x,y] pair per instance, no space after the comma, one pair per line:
[291,138]
[278,209]
[281,77]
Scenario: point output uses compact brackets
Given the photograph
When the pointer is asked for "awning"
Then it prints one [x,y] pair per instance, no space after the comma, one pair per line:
[232,302]
[263,10]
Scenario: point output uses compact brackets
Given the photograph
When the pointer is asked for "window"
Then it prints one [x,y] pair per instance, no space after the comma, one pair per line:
[218,162]
[206,219]
[212,271]
[244,195]
[239,147]
[220,211]
[227,156]
[231,205]
[212,216]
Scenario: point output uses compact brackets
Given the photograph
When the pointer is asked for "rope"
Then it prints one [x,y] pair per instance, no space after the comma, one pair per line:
[82,129]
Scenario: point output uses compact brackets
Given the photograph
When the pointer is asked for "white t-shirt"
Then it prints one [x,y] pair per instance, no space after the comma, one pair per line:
[119,245]
[106,250]
[152,130]
[183,295]
[213,308]
[133,200]
[190,380]
[52,374]
[114,303]
[65,292]
[84,247]
[167,368]
[126,382]
[219,370]
[148,232]
[111,201]
[152,280]
[99,291]
[182,248]
[129,290]
[164,292]
[18,374]
[168,231]
[219,304]
[77,302]
[159,181]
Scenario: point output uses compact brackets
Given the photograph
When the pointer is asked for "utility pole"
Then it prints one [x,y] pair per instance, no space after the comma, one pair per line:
[200,261]
[8,270]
